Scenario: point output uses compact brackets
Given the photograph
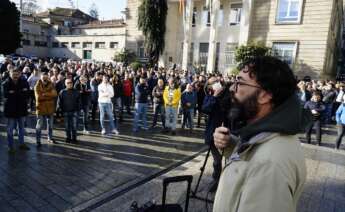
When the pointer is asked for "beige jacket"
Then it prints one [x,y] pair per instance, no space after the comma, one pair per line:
[266,177]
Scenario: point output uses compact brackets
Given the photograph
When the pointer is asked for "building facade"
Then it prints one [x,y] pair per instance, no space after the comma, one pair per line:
[70,33]
[304,33]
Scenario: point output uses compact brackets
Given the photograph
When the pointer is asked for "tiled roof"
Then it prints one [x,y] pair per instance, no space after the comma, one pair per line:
[67,12]
[103,24]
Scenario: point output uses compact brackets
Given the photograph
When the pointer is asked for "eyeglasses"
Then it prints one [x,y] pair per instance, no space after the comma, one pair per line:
[69,82]
[237,83]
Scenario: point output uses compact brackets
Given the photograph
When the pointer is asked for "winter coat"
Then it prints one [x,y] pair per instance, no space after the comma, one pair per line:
[157,94]
[118,89]
[141,93]
[45,98]
[318,106]
[265,167]
[69,100]
[16,97]
[174,100]
[85,92]
[188,97]
[127,88]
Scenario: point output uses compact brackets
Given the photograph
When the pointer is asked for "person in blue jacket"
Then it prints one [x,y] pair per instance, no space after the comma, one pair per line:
[188,102]
[316,107]
[340,118]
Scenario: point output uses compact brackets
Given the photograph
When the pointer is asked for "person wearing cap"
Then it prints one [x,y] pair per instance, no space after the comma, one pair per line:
[45,95]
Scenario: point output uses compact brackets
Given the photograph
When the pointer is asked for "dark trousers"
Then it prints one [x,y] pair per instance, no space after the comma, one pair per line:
[341,132]
[127,103]
[158,110]
[317,125]
[70,119]
[94,105]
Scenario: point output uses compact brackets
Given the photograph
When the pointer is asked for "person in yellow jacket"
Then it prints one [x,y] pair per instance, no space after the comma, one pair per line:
[45,95]
[171,97]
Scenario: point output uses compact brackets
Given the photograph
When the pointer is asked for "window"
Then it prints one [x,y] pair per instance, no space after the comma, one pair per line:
[206,17]
[42,33]
[40,43]
[26,42]
[195,13]
[285,51]
[64,44]
[114,45]
[191,54]
[235,14]
[289,11]
[87,45]
[203,55]
[141,49]
[100,45]
[230,54]
[55,45]
[76,45]
[220,16]
[26,30]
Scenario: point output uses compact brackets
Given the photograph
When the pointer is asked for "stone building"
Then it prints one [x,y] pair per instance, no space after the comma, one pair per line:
[70,33]
[304,33]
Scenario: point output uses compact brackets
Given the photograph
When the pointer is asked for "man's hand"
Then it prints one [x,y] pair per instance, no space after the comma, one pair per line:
[314,112]
[221,137]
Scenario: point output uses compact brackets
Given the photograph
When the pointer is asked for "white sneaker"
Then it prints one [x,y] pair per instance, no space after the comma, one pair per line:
[103,132]
[86,132]
[115,131]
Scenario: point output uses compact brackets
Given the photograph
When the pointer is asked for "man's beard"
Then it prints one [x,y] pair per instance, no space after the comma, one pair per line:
[245,110]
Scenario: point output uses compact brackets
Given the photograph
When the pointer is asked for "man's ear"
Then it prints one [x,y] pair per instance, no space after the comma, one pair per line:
[264,97]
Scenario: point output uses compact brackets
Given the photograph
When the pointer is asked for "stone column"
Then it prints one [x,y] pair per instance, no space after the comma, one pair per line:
[187,27]
[245,22]
[213,36]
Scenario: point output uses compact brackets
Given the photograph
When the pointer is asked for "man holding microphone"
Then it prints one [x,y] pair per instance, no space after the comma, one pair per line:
[265,166]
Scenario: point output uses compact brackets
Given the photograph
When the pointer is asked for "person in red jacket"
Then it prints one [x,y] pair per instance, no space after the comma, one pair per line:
[127,93]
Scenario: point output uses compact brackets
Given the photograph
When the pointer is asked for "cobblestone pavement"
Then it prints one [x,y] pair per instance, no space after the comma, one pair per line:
[59,177]
[324,189]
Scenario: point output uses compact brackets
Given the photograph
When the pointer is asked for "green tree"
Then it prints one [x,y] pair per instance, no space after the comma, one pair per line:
[249,51]
[126,57]
[151,20]
[10,35]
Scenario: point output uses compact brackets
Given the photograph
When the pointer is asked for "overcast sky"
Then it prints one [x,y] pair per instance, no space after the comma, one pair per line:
[108,9]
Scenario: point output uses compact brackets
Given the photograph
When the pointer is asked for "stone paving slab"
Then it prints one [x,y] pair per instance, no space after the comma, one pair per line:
[59,177]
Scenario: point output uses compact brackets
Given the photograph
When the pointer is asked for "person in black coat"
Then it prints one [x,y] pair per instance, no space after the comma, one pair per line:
[84,88]
[16,91]
[217,116]
[69,103]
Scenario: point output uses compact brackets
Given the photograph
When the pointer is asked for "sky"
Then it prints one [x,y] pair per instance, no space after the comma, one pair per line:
[107,9]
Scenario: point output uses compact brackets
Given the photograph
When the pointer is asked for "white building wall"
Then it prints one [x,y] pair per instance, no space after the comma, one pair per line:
[200,33]
[106,54]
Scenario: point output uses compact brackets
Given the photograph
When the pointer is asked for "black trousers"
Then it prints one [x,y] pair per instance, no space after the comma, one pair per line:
[317,125]
[341,132]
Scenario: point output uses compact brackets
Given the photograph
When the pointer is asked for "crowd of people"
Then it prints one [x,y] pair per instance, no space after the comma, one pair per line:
[325,100]
[78,93]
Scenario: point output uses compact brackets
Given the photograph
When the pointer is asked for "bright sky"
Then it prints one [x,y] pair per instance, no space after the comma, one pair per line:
[107,9]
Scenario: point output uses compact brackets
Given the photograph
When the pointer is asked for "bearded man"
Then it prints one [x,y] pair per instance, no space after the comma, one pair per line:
[265,166]
[45,94]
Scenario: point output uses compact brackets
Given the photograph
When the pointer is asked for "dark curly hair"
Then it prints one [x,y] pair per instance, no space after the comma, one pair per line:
[273,75]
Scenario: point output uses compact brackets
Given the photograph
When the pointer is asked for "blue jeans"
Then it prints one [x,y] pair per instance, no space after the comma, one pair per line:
[13,123]
[140,114]
[85,111]
[328,113]
[158,110]
[106,108]
[187,118]
[39,124]
[170,117]
[71,124]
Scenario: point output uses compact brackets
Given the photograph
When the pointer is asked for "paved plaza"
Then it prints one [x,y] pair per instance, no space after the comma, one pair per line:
[108,173]
[62,176]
